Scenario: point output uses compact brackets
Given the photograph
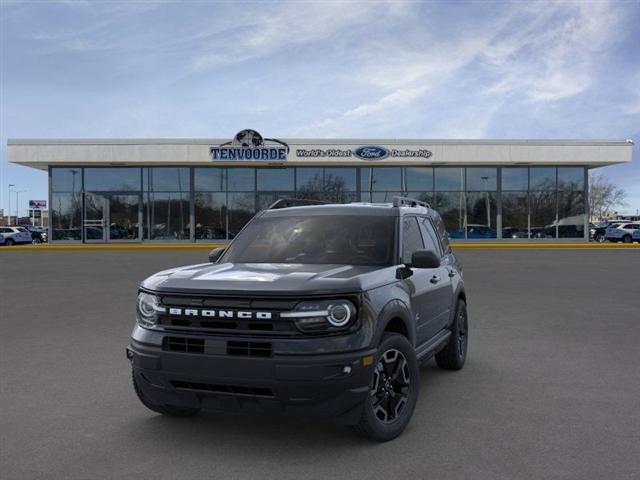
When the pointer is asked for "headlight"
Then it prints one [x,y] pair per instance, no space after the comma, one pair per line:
[147,309]
[323,315]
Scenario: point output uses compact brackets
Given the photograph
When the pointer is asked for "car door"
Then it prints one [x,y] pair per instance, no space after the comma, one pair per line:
[422,284]
[441,298]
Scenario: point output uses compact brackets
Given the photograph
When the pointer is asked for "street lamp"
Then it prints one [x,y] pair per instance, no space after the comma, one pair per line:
[18,192]
[9,212]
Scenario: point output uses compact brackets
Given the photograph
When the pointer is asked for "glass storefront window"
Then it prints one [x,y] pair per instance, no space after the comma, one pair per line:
[419,179]
[210,216]
[340,179]
[481,215]
[112,179]
[451,207]
[542,178]
[167,216]
[166,179]
[571,178]
[449,179]
[241,179]
[66,217]
[515,215]
[378,179]
[571,212]
[241,208]
[482,179]
[515,178]
[543,214]
[274,179]
[309,179]
[66,179]
[210,179]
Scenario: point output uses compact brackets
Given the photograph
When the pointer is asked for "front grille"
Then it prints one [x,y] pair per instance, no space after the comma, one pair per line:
[181,344]
[274,326]
[249,349]
[224,389]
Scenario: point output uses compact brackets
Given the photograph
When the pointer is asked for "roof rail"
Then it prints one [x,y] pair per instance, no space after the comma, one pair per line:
[294,202]
[409,202]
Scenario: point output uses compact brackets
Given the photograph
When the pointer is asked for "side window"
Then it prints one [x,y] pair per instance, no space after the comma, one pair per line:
[411,238]
[442,233]
[429,235]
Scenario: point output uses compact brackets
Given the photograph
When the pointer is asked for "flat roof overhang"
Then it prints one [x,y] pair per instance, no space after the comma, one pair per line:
[44,153]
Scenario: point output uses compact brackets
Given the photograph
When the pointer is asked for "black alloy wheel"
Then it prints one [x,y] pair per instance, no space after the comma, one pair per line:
[391,383]
[393,391]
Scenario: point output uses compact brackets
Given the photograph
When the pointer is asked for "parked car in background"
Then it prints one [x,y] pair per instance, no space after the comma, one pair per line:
[15,235]
[1,239]
[38,234]
[622,233]
[636,236]
[598,232]
[514,232]
[474,231]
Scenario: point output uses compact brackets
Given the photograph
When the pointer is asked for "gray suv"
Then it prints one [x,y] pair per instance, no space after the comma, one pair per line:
[317,310]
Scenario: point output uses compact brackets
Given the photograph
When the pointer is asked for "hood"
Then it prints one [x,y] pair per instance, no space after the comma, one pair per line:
[269,278]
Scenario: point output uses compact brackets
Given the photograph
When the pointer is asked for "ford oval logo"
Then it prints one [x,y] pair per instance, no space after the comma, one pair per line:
[371,153]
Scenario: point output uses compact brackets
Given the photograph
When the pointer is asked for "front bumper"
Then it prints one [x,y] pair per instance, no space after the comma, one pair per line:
[319,385]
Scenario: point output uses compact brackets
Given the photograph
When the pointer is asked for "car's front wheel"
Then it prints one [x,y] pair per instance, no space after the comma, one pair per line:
[393,392]
[169,410]
[36,241]
[599,238]
[9,242]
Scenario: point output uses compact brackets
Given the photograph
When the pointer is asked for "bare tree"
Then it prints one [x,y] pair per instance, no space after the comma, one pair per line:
[604,196]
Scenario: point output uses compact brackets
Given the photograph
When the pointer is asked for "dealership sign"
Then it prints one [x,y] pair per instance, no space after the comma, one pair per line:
[250,145]
[38,204]
[366,152]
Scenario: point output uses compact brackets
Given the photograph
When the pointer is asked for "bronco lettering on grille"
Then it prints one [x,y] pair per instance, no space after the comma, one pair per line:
[193,312]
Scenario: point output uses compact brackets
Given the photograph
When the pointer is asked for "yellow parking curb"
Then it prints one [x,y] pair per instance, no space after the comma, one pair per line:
[137,246]
[544,246]
[209,246]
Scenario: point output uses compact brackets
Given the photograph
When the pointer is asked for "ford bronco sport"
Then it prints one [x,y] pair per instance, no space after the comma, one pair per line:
[319,310]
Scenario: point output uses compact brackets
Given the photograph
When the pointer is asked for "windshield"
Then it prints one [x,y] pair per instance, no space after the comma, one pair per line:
[342,239]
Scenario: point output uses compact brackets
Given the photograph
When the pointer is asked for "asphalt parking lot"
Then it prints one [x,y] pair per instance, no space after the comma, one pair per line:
[551,388]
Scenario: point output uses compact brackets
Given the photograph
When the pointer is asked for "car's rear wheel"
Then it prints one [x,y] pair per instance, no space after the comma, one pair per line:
[9,242]
[169,410]
[626,239]
[454,354]
[393,393]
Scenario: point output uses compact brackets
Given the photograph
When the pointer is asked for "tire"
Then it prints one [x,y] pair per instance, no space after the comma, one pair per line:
[9,242]
[454,354]
[169,410]
[36,241]
[599,238]
[393,394]
[626,239]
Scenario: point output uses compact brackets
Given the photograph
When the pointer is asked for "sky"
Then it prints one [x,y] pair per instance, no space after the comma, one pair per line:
[375,69]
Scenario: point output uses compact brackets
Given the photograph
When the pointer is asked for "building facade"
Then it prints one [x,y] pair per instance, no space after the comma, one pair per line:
[207,189]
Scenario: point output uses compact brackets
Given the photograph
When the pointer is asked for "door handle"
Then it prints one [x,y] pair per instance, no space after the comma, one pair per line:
[435,279]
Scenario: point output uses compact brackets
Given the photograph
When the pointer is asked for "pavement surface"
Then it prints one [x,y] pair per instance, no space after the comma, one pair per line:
[551,388]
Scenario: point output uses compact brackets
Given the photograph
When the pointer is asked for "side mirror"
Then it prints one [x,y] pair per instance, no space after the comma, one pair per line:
[215,254]
[424,259]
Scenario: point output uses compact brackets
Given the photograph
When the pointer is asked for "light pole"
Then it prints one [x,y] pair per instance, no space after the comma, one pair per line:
[18,192]
[9,211]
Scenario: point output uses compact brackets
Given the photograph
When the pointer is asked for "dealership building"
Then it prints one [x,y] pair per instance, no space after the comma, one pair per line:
[190,190]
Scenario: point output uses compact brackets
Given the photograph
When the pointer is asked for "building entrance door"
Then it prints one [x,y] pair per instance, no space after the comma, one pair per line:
[112,217]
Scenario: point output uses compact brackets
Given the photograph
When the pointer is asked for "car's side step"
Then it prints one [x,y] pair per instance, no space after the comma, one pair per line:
[429,349]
